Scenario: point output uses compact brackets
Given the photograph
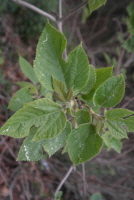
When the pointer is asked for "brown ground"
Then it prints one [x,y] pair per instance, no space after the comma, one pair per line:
[109,173]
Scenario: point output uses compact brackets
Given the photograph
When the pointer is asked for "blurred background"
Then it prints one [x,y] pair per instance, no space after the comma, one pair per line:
[107,36]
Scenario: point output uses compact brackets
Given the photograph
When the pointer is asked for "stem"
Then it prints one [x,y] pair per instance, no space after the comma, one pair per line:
[119,63]
[63,180]
[60,16]
[74,10]
[32,7]
[95,115]
[84,180]
[60,26]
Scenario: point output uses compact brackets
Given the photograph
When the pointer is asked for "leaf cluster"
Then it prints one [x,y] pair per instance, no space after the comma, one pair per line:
[68,105]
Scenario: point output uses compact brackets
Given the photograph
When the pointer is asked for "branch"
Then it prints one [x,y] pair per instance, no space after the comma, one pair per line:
[73,10]
[30,6]
[84,180]
[63,180]
[60,26]
[60,16]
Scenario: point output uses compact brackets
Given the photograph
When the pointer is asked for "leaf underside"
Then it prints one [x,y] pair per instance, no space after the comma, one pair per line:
[31,150]
[36,114]
[52,145]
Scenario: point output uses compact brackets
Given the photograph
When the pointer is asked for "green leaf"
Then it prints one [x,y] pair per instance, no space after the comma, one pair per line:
[49,62]
[58,196]
[99,127]
[69,94]
[95,4]
[96,196]
[52,145]
[116,123]
[118,113]
[82,117]
[37,113]
[27,69]
[77,70]
[31,150]
[129,123]
[49,95]
[61,91]
[102,75]
[32,88]
[111,92]
[44,91]
[117,129]
[83,143]
[91,80]
[52,126]
[59,87]
[111,142]
[85,14]
[20,97]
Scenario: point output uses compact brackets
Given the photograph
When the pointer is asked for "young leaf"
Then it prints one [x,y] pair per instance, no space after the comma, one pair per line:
[91,80]
[95,4]
[82,117]
[48,61]
[52,145]
[83,143]
[20,97]
[111,92]
[69,94]
[36,113]
[27,69]
[118,113]
[31,150]
[102,75]
[111,142]
[60,89]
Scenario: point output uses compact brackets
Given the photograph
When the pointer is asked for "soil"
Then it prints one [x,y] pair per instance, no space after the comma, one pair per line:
[109,173]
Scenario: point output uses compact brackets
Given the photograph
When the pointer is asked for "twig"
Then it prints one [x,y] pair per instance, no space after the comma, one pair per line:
[86,47]
[95,35]
[74,10]
[128,102]
[63,180]
[60,24]
[119,62]
[73,27]
[32,7]
[84,181]
[129,61]
[8,147]
[60,16]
